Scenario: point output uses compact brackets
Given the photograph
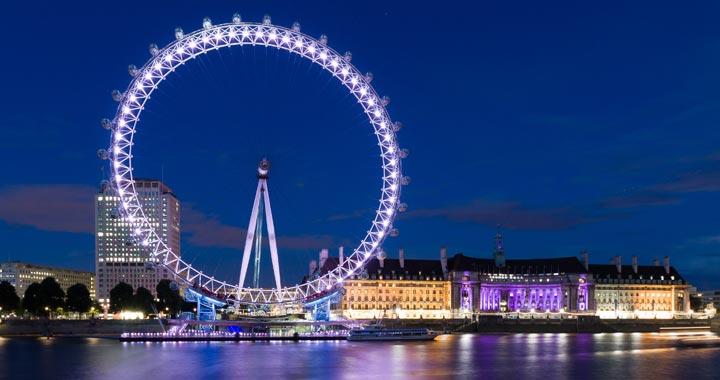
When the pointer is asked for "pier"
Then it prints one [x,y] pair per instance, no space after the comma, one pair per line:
[216,336]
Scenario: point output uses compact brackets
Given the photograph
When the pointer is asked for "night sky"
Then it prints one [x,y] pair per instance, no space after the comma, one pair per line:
[575,126]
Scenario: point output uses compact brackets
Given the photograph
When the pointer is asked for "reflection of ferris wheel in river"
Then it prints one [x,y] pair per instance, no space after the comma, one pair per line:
[238,33]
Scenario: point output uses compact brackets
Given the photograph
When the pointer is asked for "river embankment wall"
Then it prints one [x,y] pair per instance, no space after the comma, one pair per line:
[582,325]
[73,327]
[114,328]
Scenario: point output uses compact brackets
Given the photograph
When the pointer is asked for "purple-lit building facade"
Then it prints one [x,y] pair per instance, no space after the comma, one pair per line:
[537,285]
[553,284]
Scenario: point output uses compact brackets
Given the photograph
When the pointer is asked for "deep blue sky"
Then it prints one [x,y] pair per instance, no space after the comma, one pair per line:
[574,126]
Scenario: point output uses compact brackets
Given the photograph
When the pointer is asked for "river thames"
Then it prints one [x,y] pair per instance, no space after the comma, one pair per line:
[461,356]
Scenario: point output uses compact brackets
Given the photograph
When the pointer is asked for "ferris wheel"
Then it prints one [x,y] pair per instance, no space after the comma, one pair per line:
[164,61]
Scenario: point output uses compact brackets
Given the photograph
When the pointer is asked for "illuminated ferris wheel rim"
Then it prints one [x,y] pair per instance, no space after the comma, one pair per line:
[188,46]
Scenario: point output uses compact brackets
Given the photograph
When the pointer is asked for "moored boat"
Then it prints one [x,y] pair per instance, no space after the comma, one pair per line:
[700,342]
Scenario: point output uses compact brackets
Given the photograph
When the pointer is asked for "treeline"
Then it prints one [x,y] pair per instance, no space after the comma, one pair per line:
[47,299]
[169,300]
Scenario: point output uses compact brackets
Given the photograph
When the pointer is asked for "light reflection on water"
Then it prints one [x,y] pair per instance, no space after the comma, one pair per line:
[497,356]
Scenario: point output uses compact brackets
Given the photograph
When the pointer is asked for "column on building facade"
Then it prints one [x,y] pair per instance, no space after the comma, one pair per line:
[475,286]
[482,299]
[673,299]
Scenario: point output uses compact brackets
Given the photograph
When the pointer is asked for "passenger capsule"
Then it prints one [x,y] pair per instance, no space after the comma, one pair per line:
[397,126]
[104,184]
[267,20]
[404,153]
[394,232]
[132,70]
[236,18]
[207,23]
[347,56]
[369,77]
[174,286]
[114,214]
[153,48]
[405,181]
[380,254]
[402,207]
[129,241]
[385,100]
[296,26]
[103,154]
[116,95]
[149,265]
[106,124]
[323,39]
[179,33]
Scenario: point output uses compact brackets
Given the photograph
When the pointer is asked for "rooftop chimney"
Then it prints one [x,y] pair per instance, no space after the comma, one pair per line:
[634,258]
[341,255]
[618,263]
[499,253]
[323,257]
[381,256]
[401,254]
[586,259]
[443,259]
[656,262]
[313,267]
[666,261]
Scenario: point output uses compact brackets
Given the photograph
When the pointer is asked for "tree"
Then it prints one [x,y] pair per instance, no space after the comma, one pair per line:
[51,294]
[144,300]
[9,300]
[121,297]
[78,298]
[169,298]
[32,301]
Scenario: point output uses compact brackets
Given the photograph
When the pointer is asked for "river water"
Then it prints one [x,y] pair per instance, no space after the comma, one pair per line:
[468,356]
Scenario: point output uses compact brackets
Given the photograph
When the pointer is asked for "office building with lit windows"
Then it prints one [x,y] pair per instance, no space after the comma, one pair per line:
[117,257]
[21,275]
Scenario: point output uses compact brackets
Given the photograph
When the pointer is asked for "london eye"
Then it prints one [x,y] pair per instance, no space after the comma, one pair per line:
[187,46]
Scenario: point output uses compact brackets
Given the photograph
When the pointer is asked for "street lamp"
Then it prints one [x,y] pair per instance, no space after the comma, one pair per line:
[105,306]
[47,312]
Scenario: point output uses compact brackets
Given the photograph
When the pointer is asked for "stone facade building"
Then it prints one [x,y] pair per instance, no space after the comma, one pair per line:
[392,288]
[21,275]
[640,291]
